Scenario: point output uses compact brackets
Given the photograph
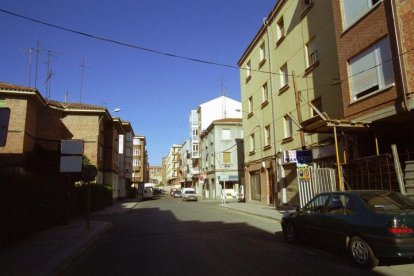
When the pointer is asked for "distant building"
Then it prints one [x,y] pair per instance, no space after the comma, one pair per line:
[140,166]
[222,158]
[219,108]
[173,165]
[155,174]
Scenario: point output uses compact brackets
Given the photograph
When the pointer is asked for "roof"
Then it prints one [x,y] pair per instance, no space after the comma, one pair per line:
[75,106]
[14,87]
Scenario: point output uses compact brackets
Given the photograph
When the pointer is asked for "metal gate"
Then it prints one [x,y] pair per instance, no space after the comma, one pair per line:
[319,180]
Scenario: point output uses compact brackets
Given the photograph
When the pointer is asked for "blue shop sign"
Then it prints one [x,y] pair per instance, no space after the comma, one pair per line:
[304,156]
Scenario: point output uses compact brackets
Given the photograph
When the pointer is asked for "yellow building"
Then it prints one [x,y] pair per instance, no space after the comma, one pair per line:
[290,65]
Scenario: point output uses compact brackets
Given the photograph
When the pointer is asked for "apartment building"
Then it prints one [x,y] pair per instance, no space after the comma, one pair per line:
[218,108]
[155,174]
[193,166]
[186,165]
[221,160]
[173,166]
[140,173]
[375,42]
[288,75]
[37,121]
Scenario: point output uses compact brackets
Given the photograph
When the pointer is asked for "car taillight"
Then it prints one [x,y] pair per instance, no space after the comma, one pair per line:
[396,227]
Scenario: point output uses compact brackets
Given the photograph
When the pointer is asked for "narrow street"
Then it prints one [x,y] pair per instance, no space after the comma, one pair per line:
[169,236]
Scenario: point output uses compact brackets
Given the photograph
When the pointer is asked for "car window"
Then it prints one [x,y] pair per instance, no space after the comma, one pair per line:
[387,201]
[317,204]
[339,204]
[189,192]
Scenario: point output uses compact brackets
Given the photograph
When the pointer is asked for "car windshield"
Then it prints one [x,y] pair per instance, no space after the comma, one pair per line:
[387,201]
[189,192]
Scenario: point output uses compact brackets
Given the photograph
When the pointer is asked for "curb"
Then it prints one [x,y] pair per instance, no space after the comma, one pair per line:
[250,212]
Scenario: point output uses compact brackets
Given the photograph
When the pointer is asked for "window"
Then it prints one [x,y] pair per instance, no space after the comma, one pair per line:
[250,105]
[195,147]
[354,10]
[339,205]
[287,125]
[226,158]
[284,78]
[265,94]
[280,31]
[248,70]
[195,131]
[311,52]
[267,135]
[225,134]
[255,186]
[371,70]
[262,53]
[317,204]
[252,143]
[136,152]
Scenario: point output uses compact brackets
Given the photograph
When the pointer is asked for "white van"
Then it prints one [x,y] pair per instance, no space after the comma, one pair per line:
[148,193]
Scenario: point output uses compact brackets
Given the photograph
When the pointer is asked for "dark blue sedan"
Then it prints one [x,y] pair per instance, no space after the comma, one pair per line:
[370,225]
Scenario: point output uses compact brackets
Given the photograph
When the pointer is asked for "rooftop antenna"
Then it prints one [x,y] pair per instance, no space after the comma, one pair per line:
[49,74]
[37,60]
[82,72]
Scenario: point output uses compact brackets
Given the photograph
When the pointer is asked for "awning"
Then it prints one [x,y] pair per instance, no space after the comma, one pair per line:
[318,124]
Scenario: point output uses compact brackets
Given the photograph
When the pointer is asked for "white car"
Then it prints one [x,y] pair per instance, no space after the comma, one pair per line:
[189,194]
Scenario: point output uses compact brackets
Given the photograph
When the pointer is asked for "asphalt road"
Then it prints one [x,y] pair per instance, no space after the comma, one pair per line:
[167,236]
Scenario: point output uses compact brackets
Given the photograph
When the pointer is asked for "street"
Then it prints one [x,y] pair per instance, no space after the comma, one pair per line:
[167,236]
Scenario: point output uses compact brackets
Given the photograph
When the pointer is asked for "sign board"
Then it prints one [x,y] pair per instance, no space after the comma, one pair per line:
[71,163]
[223,178]
[69,147]
[4,125]
[304,156]
[304,173]
[289,156]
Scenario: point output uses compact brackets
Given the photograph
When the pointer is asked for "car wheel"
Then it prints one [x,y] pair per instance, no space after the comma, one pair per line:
[361,253]
[289,233]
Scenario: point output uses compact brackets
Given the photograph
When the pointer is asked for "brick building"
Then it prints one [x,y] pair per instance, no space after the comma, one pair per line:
[375,40]
[35,120]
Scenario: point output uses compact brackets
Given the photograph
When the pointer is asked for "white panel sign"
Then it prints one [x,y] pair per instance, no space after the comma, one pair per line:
[71,147]
[71,163]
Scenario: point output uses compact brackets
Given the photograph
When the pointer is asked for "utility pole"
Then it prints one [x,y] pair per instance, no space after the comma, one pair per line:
[298,109]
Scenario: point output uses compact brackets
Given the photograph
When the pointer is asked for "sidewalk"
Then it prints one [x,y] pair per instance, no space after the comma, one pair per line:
[52,251]
[254,209]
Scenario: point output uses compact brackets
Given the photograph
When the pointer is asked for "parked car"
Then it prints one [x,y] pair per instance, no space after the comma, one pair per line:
[148,193]
[176,193]
[189,194]
[240,194]
[370,225]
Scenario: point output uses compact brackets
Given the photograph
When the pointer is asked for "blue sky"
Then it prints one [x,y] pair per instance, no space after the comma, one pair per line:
[156,92]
